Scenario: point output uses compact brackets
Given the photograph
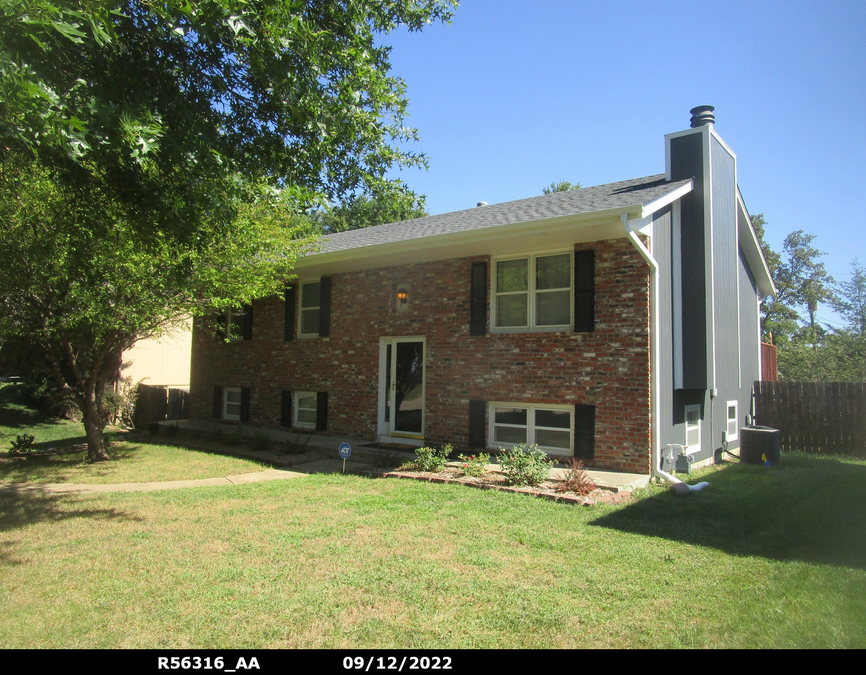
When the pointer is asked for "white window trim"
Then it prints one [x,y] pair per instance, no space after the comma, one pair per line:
[531,294]
[296,409]
[301,309]
[530,408]
[226,414]
[691,449]
[735,421]
[227,323]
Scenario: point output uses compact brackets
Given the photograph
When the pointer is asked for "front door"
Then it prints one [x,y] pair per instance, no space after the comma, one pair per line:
[401,398]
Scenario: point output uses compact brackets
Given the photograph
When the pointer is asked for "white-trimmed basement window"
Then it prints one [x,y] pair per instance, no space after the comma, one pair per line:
[232,403]
[305,409]
[551,427]
[233,324]
[733,426]
[533,292]
[311,299]
[693,428]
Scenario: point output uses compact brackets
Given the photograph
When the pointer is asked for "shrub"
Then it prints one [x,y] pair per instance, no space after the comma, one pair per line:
[525,465]
[576,479]
[22,445]
[171,430]
[261,441]
[474,465]
[432,459]
[291,448]
[216,434]
[153,428]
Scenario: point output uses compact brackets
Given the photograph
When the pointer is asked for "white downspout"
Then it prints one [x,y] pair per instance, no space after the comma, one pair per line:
[655,336]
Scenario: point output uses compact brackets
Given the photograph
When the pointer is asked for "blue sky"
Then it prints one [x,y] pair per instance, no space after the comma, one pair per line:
[513,95]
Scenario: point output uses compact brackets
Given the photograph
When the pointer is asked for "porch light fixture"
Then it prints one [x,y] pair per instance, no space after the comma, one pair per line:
[402,298]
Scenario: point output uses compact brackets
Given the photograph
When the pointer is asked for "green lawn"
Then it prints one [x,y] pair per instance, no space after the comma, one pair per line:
[763,558]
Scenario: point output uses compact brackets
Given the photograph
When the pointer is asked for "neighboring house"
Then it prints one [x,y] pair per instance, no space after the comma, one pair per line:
[160,362]
[603,323]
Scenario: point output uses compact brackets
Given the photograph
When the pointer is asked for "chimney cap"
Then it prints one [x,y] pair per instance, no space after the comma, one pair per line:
[702,116]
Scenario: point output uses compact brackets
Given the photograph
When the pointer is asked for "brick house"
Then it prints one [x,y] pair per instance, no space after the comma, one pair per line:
[604,323]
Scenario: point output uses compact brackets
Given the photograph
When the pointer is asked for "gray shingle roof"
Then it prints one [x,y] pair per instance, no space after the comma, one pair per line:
[621,195]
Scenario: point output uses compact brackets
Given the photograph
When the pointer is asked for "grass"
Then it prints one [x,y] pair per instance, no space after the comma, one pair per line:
[763,558]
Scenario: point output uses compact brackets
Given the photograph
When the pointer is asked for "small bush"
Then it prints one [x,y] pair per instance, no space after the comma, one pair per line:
[171,430]
[432,459]
[474,465]
[525,465]
[216,434]
[576,479]
[22,445]
[153,428]
[261,442]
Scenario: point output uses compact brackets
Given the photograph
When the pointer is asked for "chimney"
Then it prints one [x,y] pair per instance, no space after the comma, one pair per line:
[702,116]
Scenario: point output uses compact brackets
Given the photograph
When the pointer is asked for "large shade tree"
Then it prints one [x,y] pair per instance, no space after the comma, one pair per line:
[154,156]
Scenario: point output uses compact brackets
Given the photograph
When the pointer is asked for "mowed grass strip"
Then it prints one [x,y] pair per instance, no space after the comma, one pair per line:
[131,463]
[764,558]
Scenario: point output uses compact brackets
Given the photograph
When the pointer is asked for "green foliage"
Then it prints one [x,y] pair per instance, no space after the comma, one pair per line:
[22,445]
[389,203]
[808,351]
[577,479]
[561,186]
[525,465]
[474,465]
[432,459]
[155,160]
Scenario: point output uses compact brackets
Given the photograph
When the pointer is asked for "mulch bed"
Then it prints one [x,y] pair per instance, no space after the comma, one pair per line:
[496,481]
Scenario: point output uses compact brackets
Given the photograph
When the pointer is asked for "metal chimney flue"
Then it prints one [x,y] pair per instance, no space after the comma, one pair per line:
[702,116]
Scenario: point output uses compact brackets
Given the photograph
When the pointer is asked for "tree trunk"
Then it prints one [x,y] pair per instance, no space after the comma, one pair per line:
[94,424]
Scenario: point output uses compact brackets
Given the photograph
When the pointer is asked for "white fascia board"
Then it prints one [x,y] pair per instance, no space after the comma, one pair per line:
[669,198]
[533,227]
[752,249]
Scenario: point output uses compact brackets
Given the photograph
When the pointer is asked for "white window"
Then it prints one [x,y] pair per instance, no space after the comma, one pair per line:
[693,428]
[733,427]
[533,292]
[233,324]
[232,403]
[310,308]
[305,409]
[551,427]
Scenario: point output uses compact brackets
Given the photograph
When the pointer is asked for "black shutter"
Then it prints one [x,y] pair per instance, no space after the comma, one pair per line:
[220,332]
[217,402]
[325,307]
[248,322]
[584,291]
[322,411]
[245,405]
[584,431]
[478,311]
[289,333]
[477,435]
[286,409]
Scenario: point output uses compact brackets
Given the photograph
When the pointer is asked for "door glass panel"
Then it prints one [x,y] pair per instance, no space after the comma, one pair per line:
[409,387]
[388,384]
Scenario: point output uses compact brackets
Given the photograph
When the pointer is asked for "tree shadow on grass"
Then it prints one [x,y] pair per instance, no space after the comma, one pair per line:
[20,508]
[811,509]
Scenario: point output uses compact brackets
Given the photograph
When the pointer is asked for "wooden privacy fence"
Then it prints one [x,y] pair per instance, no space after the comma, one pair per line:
[156,404]
[821,417]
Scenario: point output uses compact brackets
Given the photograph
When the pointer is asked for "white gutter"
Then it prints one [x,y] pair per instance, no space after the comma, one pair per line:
[655,337]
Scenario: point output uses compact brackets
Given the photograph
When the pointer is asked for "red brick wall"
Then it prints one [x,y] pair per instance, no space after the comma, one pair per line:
[609,368]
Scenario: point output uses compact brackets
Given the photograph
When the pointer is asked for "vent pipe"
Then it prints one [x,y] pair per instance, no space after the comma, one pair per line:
[702,116]
[481,204]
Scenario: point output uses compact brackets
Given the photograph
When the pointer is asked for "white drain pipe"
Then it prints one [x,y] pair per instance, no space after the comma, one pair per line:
[655,394]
